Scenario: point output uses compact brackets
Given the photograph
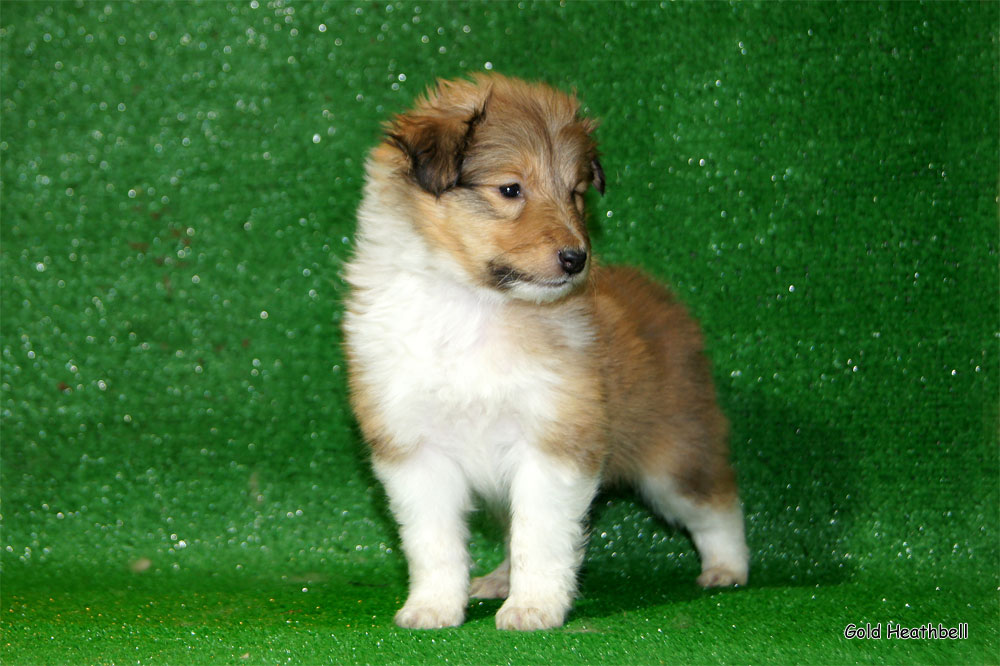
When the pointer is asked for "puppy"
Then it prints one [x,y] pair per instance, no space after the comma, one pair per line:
[489,356]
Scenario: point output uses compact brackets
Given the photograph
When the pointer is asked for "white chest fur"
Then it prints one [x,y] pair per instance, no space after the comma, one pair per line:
[452,369]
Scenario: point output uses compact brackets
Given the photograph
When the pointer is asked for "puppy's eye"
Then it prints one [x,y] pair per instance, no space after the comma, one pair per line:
[510,191]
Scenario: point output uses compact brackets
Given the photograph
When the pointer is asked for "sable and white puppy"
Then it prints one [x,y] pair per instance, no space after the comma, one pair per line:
[489,356]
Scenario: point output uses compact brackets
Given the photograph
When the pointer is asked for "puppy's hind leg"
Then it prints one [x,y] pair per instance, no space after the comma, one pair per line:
[494,585]
[715,524]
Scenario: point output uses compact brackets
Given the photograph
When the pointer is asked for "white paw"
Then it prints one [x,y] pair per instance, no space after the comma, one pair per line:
[428,616]
[491,586]
[527,618]
[721,576]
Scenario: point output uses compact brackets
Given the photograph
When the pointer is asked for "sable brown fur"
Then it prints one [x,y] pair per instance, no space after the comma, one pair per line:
[659,389]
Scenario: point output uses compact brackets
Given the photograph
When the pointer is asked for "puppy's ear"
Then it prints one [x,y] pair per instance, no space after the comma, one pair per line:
[596,170]
[598,174]
[435,144]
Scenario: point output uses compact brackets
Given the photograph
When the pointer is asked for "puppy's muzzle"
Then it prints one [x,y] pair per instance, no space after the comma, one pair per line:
[572,260]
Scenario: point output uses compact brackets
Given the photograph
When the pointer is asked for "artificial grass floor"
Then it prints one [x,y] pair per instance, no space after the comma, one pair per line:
[182,481]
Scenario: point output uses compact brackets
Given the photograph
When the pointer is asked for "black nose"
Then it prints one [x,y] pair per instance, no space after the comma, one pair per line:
[572,261]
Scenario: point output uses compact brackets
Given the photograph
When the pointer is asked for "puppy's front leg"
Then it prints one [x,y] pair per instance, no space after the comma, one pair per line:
[549,501]
[429,497]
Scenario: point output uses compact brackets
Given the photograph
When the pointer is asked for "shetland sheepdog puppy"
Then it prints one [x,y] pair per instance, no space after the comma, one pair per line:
[489,356]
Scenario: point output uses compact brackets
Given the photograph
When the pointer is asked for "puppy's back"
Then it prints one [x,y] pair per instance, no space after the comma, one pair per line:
[663,417]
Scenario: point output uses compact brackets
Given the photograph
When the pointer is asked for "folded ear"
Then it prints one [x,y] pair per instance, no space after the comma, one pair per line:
[598,174]
[436,144]
[596,170]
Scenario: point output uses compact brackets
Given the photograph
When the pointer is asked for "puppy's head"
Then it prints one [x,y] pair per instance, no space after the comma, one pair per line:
[496,170]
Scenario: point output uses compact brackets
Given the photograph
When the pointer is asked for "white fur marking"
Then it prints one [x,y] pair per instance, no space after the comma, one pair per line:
[549,500]
[430,499]
[717,532]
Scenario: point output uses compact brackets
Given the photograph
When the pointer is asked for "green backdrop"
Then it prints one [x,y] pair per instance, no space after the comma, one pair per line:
[182,481]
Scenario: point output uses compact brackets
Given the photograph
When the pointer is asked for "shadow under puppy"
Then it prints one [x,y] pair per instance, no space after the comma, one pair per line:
[489,355]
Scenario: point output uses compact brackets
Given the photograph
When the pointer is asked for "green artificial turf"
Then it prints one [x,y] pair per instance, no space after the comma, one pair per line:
[182,480]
